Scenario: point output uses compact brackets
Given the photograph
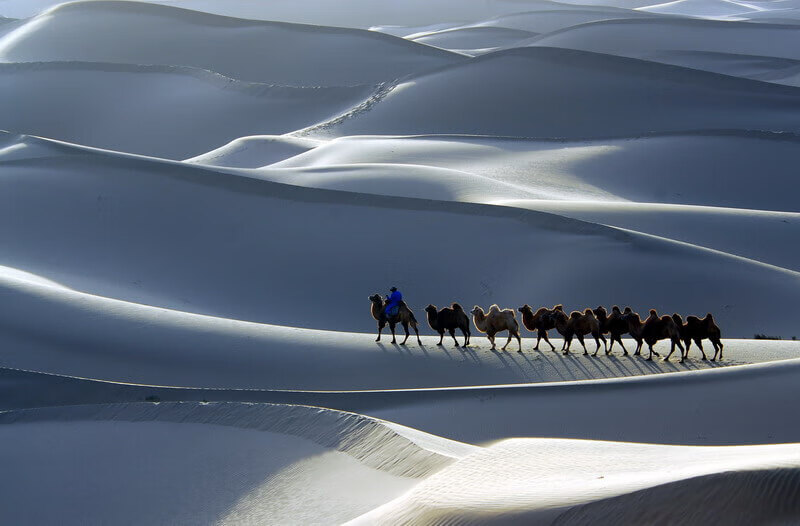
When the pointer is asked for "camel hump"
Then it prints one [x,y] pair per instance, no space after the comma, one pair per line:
[653,312]
[575,314]
[709,316]
[456,307]
[559,307]
[587,312]
[615,308]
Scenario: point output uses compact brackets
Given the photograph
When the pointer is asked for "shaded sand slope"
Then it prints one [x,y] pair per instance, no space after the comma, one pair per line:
[270,373]
[111,215]
[524,91]
[208,463]
[273,53]
[695,407]
[164,111]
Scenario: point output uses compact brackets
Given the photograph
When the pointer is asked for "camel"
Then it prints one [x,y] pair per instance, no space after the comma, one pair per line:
[496,321]
[614,325]
[449,319]
[577,324]
[635,329]
[653,329]
[696,329]
[540,321]
[404,316]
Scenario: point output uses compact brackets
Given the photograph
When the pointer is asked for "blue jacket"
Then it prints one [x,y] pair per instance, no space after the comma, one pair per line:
[394,300]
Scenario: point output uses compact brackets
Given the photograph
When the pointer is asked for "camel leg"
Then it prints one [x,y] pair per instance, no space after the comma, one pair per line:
[717,343]
[638,351]
[416,331]
[519,341]
[405,328]
[699,346]
[547,340]
[467,336]
[611,347]
[684,352]
[491,339]
[671,350]
[381,325]
[624,350]
[650,356]
[567,343]
[453,335]
[510,335]
[538,339]
[580,339]
[441,337]
[391,328]
[597,341]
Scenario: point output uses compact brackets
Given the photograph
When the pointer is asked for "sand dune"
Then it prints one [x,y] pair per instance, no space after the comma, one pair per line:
[703,8]
[472,38]
[165,111]
[573,482]
[615,37]
[608,96]
[209,463]
[255,151]
[347,13]
[252,222]
[546,18]
[272,53]
[675,169]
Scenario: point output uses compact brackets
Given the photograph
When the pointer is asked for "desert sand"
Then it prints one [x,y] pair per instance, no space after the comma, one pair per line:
[197,197]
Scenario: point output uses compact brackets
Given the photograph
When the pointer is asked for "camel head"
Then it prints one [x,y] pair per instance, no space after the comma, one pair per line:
[376,299]
[476,311]
[431,309]
[525,309]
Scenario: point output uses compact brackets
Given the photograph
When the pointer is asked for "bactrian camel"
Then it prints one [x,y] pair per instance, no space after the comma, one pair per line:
[495,321]
[404,316]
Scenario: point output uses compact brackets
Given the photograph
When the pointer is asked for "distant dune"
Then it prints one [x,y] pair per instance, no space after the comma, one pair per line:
[163,111]
[525,92]
[266,52]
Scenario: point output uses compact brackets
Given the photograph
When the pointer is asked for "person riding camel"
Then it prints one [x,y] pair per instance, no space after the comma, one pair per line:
[393,302]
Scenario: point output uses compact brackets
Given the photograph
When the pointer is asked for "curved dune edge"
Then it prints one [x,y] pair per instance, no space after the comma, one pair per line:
[595,482]
[381,445]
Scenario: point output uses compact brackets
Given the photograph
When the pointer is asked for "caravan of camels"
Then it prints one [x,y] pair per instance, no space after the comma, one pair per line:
[595,322]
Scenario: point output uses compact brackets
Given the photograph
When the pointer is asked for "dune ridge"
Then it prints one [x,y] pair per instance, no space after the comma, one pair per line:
[145,33]
[379,445]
